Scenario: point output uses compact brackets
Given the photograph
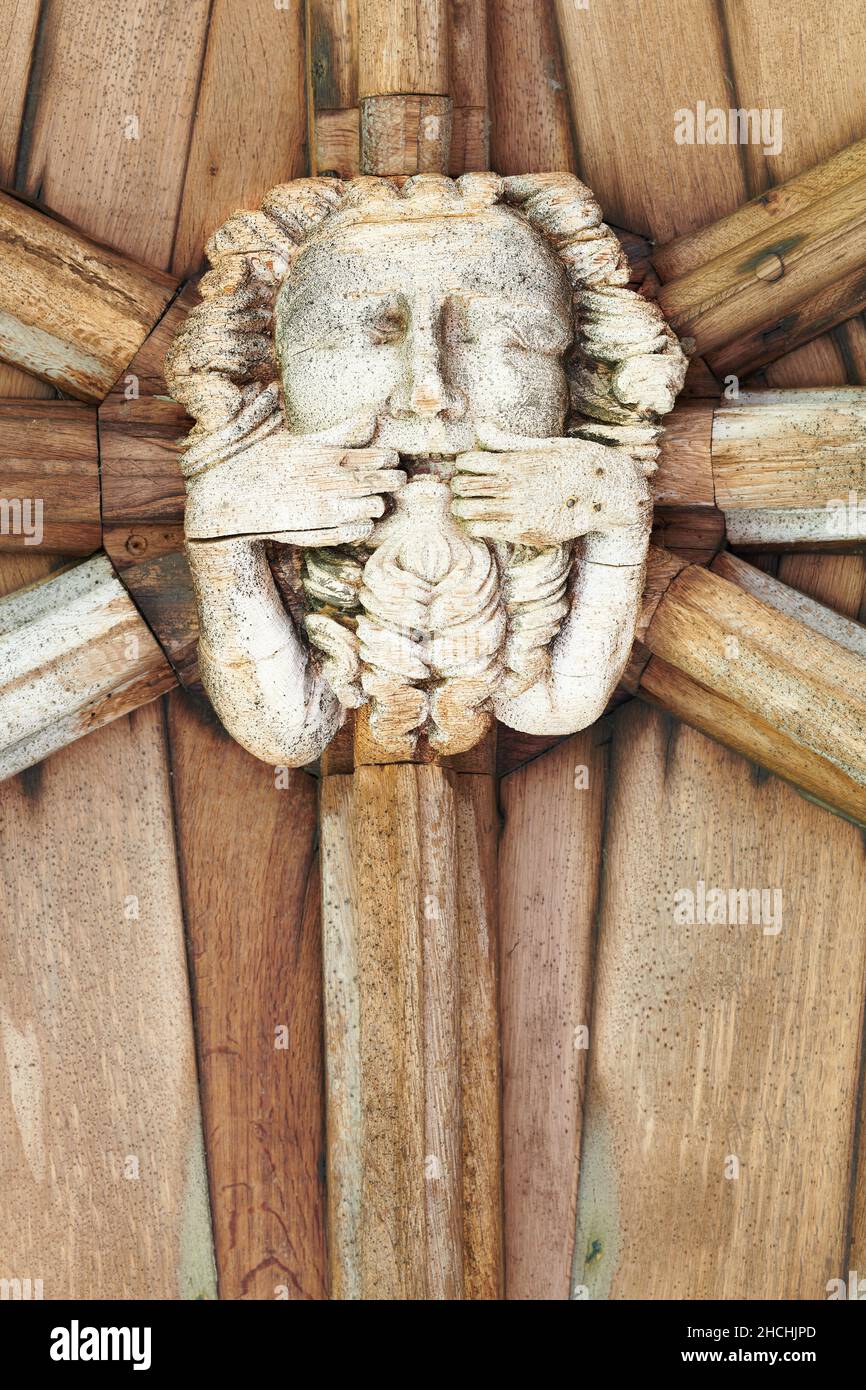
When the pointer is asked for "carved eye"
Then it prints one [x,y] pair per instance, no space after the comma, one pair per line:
[388,325]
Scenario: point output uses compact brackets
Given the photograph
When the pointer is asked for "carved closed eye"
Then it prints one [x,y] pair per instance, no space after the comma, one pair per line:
[388,324]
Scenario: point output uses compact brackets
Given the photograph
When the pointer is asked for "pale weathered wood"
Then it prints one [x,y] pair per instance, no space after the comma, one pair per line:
[723,1067]
[789,468]
[103,1191]
[405,135]
[413,1128]
[530,126]
[402,48]
[763,683]
[71,312]
[250,123]
[253,925]
[49,477]
[74,654]
[549,869]
[111,128]
[338,142]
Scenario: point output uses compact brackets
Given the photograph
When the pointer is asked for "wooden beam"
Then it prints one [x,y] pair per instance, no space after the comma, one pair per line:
[403,86]
[72,312]
[782,269]
[74,654]
[412,1044]
[49,477]
[764,671]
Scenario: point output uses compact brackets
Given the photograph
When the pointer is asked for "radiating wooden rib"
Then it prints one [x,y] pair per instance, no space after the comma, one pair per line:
[776,273]
[49,471]
[778,688]
[530,126]
[411,1034]
[71,312]
[74,654]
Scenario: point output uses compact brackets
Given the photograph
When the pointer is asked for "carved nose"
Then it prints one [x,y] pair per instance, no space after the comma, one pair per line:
[425,392]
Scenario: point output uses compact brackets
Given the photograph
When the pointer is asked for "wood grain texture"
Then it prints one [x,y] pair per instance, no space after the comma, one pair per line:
[71,312]
[404,135]
[49,466]
[718,1042]
[762,682]
[530,125]
[250,124]
[255,953]
[779,287]
[111,128]
[17,37]
[549,868]
[332,36]
[402,47]
[412,1058]
[74,654]
[625,118]
[470,136]
[102,1170]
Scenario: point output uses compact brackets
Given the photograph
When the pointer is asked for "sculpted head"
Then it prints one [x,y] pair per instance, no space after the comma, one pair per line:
[437,320]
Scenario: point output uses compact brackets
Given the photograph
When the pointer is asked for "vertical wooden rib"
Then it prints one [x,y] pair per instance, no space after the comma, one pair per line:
[470,137]
[549,871]
[102,1172]
[723,1068]
[413,1151]
[250,124]
[246,843]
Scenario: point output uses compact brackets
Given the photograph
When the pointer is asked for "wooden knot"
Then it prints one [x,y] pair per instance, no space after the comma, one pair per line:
[770,268]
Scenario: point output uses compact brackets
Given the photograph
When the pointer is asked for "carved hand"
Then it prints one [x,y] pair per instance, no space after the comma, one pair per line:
[284,487]
[553,493]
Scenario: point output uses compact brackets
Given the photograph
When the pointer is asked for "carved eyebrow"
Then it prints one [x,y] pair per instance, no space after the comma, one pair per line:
[511,312]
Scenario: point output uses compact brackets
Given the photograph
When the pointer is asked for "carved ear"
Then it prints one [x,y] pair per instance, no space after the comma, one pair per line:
[627,367]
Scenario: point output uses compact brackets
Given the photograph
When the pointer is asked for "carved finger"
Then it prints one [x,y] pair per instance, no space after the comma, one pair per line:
[385,480]
[481,509]
[478,461]
[347,534]
[476,485]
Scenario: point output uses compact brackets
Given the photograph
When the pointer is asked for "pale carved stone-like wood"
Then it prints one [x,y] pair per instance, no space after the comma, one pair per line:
[442,404]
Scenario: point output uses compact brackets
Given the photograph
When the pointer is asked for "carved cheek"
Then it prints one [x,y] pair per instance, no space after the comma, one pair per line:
[323,388]
[524,392]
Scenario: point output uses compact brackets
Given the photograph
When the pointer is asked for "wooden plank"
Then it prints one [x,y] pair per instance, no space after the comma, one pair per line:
[625,92]
[470,136]
[250,124]
[71,312]
[256,970]
[723,1063]
[332,29]
[111,127]
[102,1174]
[17,38]
[49,467]
[530,126]
[549,865]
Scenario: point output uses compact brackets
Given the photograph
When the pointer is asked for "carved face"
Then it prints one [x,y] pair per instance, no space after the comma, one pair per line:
[430,325]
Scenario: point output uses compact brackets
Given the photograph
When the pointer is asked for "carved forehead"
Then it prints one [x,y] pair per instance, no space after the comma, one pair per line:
[495,251]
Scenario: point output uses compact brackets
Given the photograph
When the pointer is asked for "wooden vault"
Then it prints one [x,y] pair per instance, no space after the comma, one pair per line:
[759,288]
